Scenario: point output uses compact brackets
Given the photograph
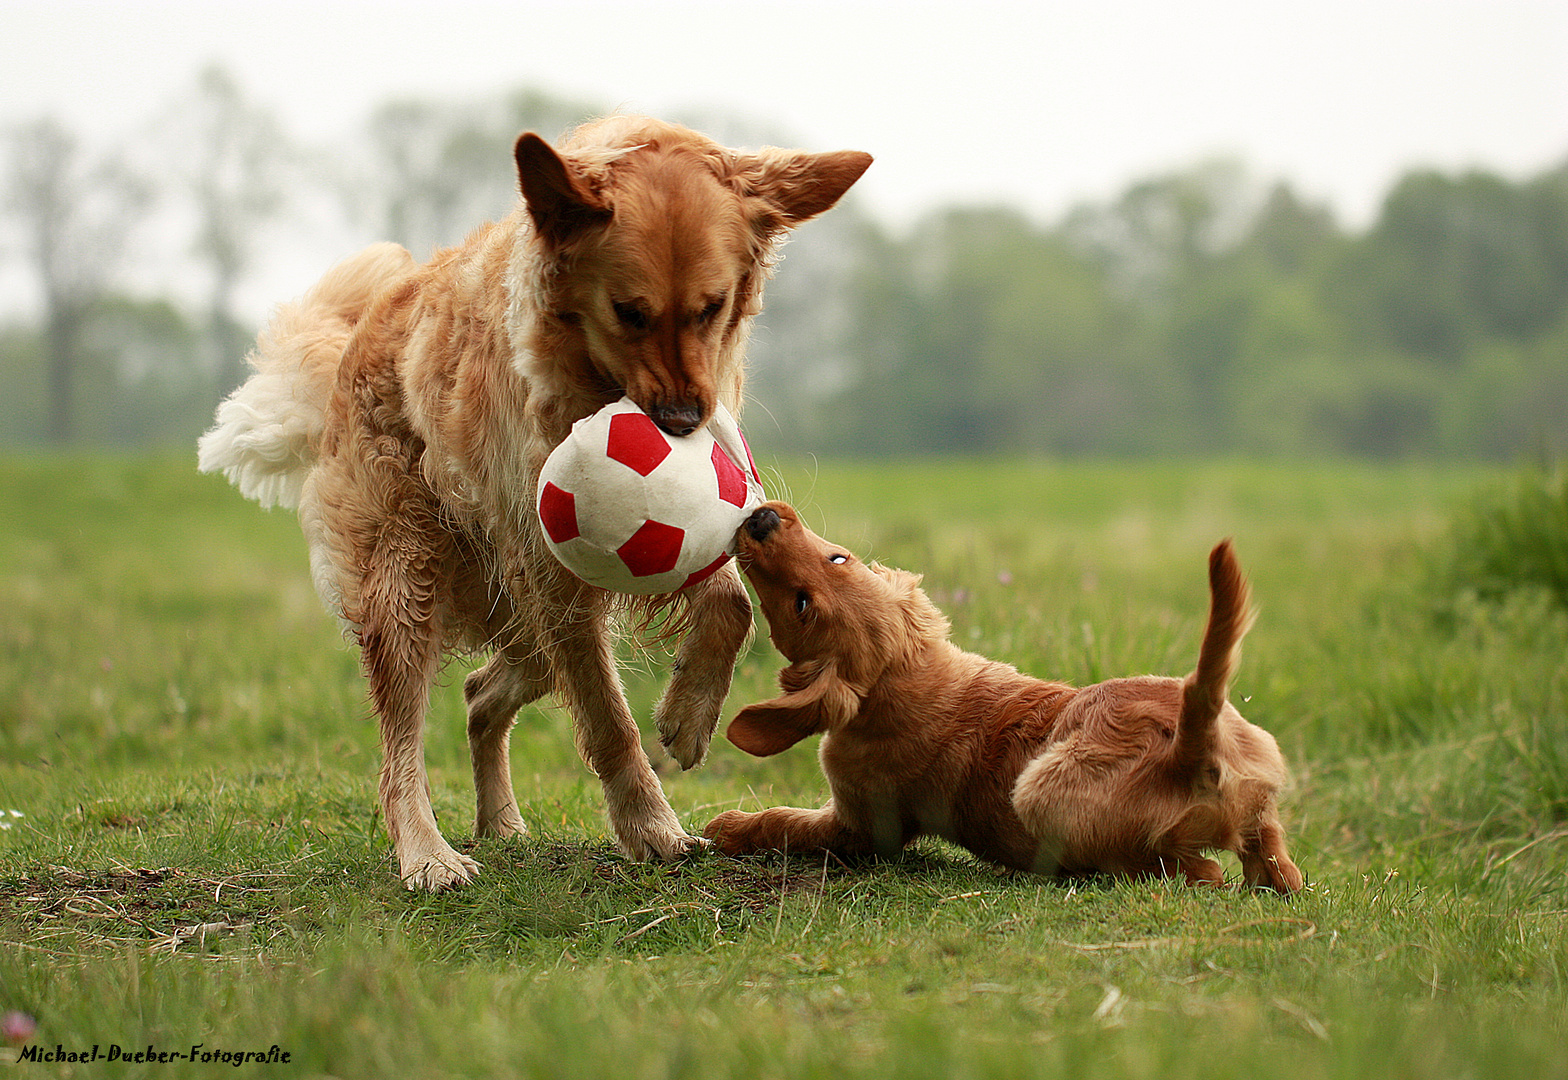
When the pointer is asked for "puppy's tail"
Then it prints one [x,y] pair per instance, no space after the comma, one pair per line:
[1203,692]
[268,431]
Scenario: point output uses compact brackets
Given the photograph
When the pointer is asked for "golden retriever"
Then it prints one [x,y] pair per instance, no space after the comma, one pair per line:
[407,408]
[1136,777]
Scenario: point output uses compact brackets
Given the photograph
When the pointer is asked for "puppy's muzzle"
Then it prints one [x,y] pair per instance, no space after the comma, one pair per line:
[762,523]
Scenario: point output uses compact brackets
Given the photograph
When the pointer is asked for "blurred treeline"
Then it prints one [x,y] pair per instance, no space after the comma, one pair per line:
[1199,312]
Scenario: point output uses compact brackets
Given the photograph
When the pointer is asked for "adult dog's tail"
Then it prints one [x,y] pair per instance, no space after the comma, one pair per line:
[1203,692]
[269,430]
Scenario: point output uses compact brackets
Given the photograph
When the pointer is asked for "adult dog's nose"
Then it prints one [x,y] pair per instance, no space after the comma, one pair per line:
[679,420]
[762,523]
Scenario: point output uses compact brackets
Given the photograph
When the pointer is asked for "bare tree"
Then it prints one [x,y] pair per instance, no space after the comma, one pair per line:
[230,157]
[437,168]
[76,218]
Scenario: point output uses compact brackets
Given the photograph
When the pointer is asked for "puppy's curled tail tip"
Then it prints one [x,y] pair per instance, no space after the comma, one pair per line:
[1204,691]
[1231,596]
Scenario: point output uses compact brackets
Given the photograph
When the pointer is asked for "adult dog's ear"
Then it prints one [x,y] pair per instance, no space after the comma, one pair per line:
[771,727]
[561,205]
[796,185]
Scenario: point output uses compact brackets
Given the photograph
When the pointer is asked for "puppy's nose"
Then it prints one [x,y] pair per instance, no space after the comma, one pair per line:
[680,419]
[762,523]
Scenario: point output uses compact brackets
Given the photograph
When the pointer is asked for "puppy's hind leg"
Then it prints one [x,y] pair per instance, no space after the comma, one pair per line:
[1071,799]
[517,674]
[720,617]
[1264,860]
[1199,870]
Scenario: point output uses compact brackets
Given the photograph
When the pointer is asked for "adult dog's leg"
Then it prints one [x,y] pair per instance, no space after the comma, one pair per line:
[720,617]
[400,647]
[517,674]
[582,655]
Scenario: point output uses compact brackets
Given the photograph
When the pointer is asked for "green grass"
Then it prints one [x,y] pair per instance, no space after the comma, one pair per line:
[1514,538]
[186,737]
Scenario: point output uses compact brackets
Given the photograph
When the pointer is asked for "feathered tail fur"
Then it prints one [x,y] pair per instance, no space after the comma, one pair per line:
[1203,692]
[268,430]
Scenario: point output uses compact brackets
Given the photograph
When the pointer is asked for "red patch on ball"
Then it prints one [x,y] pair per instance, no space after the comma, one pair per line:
[558,513]
[653,549]
[706,572]
[732,482]
[629,508]
[636,442]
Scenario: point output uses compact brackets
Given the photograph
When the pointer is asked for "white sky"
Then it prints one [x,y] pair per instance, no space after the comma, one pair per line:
[1039,103]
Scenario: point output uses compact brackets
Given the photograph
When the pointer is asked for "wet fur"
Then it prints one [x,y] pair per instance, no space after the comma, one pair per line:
[1138,777]
[407,408]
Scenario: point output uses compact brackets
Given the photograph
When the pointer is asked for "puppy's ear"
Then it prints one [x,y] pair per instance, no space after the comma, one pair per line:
[919,619]
[797,185]
[904,582]
[561,205]
[771,727]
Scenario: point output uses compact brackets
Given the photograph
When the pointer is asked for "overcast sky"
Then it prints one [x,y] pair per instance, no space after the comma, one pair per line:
[1035,102]
[1038,103]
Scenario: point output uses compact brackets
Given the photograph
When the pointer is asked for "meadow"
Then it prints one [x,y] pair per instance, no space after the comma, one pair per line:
[190,852]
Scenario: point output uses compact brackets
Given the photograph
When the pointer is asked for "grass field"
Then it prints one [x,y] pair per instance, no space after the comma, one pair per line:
[191,853]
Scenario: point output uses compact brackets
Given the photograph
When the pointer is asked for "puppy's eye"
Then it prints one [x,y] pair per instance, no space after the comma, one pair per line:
[838,560]
[632,317]
[802,602]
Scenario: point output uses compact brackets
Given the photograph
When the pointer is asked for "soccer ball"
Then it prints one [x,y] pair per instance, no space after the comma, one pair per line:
[629,508]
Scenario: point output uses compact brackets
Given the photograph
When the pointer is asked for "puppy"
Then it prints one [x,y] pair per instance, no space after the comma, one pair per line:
[1136,777]
[407,408]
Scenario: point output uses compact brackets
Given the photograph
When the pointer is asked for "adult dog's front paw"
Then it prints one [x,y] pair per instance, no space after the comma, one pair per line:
[654,842]
[686,727]
[500,824]
[435,871]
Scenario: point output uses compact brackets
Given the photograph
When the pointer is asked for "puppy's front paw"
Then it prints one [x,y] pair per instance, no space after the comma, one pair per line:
[730,832]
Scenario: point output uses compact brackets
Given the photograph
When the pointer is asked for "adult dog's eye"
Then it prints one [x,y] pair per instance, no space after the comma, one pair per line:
[632,317]
[711,312]
[802,602]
